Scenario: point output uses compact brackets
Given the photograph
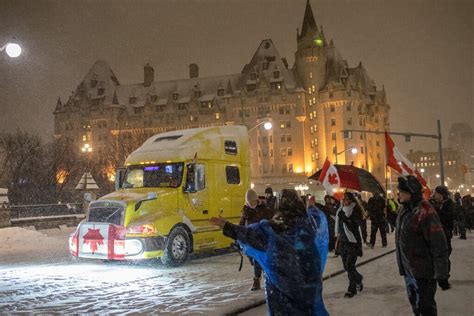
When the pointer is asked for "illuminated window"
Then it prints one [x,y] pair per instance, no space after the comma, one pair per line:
[310,115]
[312,143]
[315,142]
[218,116]
[311,130]
[282,124]
[314,114]
[315,128]
[316,155]
[310,75]
[310,102]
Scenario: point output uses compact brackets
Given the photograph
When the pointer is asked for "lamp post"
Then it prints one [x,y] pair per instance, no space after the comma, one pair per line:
[267,124]
[12,49]
[353,150]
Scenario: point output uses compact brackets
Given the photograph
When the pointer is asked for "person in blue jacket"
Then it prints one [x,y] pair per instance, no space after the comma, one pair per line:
[292,249]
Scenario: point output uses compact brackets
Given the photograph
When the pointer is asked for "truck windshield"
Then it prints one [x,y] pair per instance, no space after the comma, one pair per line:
[163,175]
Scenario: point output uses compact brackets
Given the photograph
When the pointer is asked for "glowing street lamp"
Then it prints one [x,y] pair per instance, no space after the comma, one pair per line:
[267,125]
[12,49]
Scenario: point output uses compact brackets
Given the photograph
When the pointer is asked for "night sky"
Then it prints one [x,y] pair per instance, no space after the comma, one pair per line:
[421,50]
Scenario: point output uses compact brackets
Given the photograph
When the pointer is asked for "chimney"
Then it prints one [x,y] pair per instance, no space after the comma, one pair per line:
[193,71]
[149,75]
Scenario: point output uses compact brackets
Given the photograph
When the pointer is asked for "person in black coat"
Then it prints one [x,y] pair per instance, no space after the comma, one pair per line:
[348,219]
[446,208]
[460,215]
[422,250]
[253,212]
[376,210]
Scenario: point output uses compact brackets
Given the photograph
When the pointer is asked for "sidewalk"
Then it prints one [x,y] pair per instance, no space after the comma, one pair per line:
[384,289]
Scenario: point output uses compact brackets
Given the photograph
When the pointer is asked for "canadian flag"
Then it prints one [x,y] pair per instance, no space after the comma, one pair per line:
[329,177]
[400,163]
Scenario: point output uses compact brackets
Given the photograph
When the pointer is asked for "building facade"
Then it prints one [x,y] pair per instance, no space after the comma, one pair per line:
[309,105]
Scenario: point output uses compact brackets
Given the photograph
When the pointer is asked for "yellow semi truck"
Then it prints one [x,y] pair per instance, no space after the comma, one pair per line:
[165,195]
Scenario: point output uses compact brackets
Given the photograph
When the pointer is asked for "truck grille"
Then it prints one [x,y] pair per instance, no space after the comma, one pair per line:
[106,213]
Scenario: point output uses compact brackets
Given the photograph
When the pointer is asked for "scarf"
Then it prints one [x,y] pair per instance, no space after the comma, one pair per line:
[348,212]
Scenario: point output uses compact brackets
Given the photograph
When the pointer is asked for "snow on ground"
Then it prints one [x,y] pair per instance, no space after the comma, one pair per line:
[384,289]
[38,275]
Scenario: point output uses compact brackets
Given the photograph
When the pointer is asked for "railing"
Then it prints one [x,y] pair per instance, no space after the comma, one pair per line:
[45,210]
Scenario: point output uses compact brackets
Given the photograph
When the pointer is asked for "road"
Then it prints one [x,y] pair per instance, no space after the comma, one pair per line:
[37,275]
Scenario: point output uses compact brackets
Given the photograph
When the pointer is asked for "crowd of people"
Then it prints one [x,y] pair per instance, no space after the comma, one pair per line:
[289,240]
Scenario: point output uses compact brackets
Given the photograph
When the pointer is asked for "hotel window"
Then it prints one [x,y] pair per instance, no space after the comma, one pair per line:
[218,116]
[311,130]
[315,142]
[313,88]
[175,96]
[316,155]
[331,95]
[314,100]
[197,94]
[349,121]
[288,138]
[290,152]
[283,168]
[310,102]
[314,114]
[377,143]
[315,128]
[283,152]
[349,106]
[288,124]
[332,108]
[361,150]
[281,110]
[282,138]
[310,75]
[312,157]
[312,143]
[220,92]
[287,109]
[290,168]
[282,124]
[333,122]
[310,115]
[333,135]
[276,74]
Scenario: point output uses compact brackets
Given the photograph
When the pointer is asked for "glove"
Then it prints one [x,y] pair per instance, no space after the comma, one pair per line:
[444,284]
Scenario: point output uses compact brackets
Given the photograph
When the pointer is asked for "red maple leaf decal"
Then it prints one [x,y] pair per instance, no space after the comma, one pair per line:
[94,239]
[332,179]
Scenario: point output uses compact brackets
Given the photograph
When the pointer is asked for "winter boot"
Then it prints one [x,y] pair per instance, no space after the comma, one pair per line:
[349,294]
[256,284]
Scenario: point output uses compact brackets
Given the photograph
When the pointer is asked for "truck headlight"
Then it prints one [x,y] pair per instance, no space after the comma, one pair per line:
[133,247]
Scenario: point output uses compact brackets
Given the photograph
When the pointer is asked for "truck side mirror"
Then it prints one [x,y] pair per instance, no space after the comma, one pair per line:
[190,184]
[150,196]
[119,177]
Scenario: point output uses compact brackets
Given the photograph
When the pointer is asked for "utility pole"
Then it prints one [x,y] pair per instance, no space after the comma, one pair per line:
[408,135]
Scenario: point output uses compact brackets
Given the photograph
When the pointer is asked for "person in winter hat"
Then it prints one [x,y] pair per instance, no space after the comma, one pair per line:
[270,199]
[348,219]
[422,251]
[253,212]
[376,210]
[445,207]
[292,250]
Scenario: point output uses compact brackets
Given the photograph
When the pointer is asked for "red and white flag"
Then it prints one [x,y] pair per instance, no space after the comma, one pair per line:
[329,177]
[397,161]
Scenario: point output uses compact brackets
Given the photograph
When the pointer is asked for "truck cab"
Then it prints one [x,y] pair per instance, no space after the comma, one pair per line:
[165,195]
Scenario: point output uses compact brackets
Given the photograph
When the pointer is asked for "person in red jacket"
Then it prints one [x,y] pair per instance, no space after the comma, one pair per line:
[254,212]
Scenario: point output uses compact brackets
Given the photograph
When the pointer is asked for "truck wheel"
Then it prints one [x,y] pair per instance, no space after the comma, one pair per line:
[177,248]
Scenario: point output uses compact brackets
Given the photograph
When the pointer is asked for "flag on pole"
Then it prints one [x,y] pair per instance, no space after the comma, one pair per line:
[329,177]
[397,161]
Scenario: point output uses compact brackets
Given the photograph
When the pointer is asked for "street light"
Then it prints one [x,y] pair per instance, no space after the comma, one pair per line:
[353,150]
[267,125]
[12,49]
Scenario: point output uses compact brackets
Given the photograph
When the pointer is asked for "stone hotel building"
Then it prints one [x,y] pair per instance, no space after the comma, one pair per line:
[309,103]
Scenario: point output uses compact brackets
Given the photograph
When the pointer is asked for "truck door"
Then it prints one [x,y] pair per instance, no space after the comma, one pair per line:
[196,194]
